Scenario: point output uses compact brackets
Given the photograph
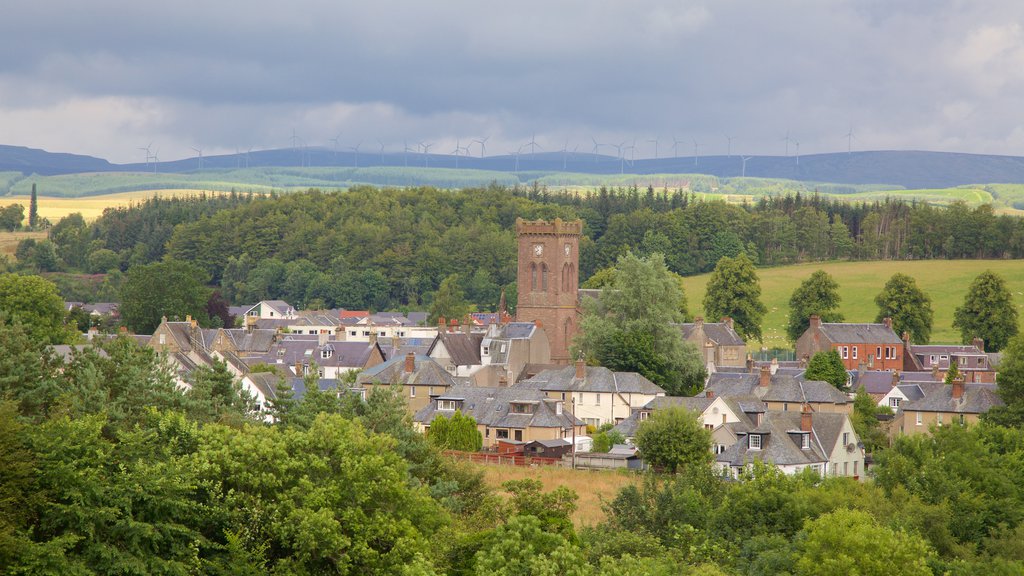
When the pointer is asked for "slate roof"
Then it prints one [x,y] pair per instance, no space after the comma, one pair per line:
[628,426]
[781,446]
[783,388]
[727,384]
[938,397]
[426,372]
[266,383]
[324,384]
[247,342]
[392,347]
[597,379]
[293,349]
[490,407]
[718,332]
[843,333]
[873,381]
[65,352]
[463,349]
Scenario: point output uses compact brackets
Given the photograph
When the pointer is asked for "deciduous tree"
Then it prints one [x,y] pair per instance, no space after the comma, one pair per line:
[735,291]
[456,433]
[171,288]
[840,540]
[827,366]
[908,306]
[818,294]
[987,312]
[673,438]
[35,303]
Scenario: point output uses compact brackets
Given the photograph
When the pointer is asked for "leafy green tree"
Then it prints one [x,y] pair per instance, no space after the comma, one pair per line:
[828,367]
[844,539]
[33,209]
[631,327]
[522,548]
[554,509]
[102,261]
[953,372]
[674,439]
[71,236]
[987,312]
[606,438]
[734,291]
[35,303]
[456,433]
[449,301]
[818,294]
[11,217]
[908,306]
[1010,386]
[865,421]
[171,288]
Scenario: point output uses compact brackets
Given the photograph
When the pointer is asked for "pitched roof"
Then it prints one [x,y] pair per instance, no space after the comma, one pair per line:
[596,379]
[841,333]
[938,397]
[780,443]
[266,382]
[628,426]
[873,381]
[426,372]
[783,388]
[463,349]
[719,333]
[491,407]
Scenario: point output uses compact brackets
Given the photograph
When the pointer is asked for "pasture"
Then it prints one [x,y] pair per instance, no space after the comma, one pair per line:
[9,241]
[945,281]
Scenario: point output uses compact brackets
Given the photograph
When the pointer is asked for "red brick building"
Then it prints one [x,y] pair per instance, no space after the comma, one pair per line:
[876,346]
[548,280]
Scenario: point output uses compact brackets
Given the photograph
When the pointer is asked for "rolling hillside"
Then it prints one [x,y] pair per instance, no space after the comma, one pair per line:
[945,281]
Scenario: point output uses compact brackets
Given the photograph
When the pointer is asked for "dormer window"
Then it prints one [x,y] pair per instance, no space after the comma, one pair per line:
[487,351]
[520,408]
[755,442]
[644,416]
[446,405]
[326,353]
[805,441]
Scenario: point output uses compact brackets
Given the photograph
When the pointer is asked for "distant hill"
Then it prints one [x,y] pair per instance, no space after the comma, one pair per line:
[907,169]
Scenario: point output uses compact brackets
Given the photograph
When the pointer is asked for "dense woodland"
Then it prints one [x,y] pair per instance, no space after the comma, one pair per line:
[107,468]
[391,248]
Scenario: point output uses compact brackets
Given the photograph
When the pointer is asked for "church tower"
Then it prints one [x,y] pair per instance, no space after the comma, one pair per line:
[548,280]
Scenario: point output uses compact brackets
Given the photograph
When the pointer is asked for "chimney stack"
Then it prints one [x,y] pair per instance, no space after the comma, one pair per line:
[958,387]
[322,337]
[441,324]
[906,340]
[750,364]
[935,371]
[581,369]
[806,419]
[298,368]
[250,323]
[774,366]
[453,325]
[467,324]
[766,377]
[709,393]
[410,363]
[727,321]
[979,344]
[373,337]
[815,321]
[699,321]
[895,378]
[887,321]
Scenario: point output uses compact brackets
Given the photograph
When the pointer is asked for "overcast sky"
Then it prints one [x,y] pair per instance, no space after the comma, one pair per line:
[105,78]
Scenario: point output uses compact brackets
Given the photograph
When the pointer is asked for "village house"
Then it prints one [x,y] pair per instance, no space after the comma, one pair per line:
[924,405]
[421,378]
[718,342]
[782,391]
[599,395]
[971,360]
[797,440]
[874,344]
[503,414]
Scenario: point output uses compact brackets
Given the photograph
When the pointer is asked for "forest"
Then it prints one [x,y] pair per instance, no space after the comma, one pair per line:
[107,468]
[392,248]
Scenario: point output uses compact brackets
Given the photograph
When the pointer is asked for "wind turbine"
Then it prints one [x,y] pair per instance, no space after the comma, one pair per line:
[696,152]
[335,142]
[200,151]
[456,152]
[156,159]
[565,154]
[356,150]
[675,146]
[786,140]
[797,144]
[294,138]
[146,150]
[533,144]
[483,145]
[426,154]
[744,159]
[655,141]
[381,152]
[597,146]
[405,151]
[516,154]
[247,156]
[728,150]
[849,140]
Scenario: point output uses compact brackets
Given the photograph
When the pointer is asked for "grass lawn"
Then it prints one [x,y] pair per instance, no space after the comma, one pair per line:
[945,281]
[592,486]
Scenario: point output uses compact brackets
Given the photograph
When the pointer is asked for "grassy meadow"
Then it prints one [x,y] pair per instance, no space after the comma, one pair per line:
[9,241]
[945,281]
[592,486]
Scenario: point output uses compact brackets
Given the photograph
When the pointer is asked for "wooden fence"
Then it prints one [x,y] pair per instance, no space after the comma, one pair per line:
[510,459]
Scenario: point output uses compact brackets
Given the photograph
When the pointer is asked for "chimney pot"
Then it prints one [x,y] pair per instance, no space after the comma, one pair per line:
[727,320]
[766,377]
[806,419]
[895,378]
[887,321]
[410,363]
[958,387]
[979,344]
[709,393]
[538,324]
[906,337]
[581,369]
[698,320]
[750,364]
[441,322]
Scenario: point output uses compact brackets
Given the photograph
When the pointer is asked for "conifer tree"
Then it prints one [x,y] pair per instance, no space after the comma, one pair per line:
[33,209]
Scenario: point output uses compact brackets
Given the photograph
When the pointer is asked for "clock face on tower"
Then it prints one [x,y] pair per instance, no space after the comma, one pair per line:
[568,250]
[538,249]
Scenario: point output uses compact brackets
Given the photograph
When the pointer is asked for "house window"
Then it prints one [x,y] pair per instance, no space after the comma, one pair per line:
[352,333]
[894,402]
[854,352]
[487,351]
[805,441]
[846,468]
[487,432]
[709,426]
[163,339]
[326,353]
[755,441]
[517,408]
[933,358]
[962,420]
[644,415]
[785,407]
[563,396]
[501,434]
[919,422]
[412,391]
[446,404]
[597,399]
[835,469]
[519,435]
[366,332]
[844,352]
[846,438]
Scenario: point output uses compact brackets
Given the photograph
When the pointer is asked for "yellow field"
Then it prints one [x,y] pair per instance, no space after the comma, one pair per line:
[91,207]
[9,240]
[592,486]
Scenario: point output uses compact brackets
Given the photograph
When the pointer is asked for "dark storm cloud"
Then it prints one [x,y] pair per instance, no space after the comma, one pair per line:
[100,77]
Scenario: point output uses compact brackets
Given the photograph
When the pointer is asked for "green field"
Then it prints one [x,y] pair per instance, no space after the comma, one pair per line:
[945,281]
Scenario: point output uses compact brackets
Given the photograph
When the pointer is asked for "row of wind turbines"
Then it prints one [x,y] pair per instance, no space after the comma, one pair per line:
[625,152]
